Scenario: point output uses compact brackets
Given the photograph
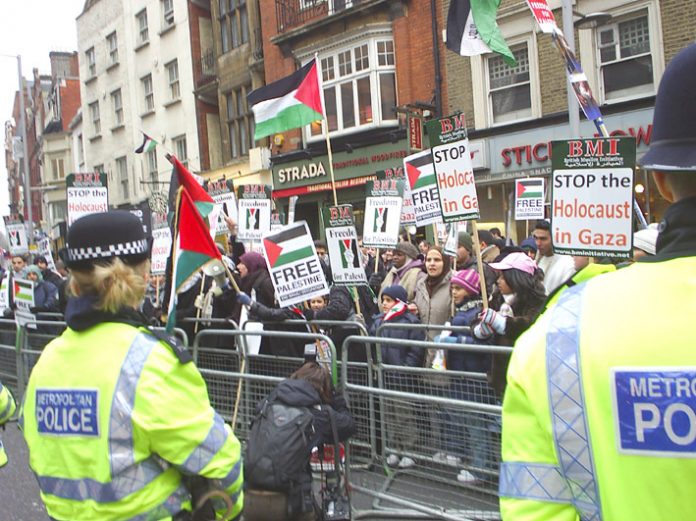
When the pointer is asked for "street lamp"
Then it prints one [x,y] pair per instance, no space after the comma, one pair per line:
[25,152]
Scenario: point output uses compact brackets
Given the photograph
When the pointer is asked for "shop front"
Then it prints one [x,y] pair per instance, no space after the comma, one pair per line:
[517,155]
[310,180]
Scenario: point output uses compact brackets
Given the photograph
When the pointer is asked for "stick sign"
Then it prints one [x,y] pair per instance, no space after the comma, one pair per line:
[342,242]
[421,179]
[383,206]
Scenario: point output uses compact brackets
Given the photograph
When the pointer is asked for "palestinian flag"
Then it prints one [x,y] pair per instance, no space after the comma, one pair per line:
[192,248]
[290,245]
[380,220]
[181,177]
[530,188]
[349,253]
[472,29]
[148,145]
[291,102]
[24,291]
[420,170]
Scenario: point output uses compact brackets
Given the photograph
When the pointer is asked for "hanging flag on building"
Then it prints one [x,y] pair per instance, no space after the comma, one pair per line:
[342,243]
[529,198]
[192,248]
[293,263]
[383,204]
[291,102]
[420,173]
[148,144]
[254,211]
[472,29]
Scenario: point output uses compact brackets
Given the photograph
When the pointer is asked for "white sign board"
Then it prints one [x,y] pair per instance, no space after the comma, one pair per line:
[529,199]
[227,204]
[86,194]
[421,179]
[161,249]
[17,237]
[342,242]
[24,300]
[254,219]
[383,212]
[455,181]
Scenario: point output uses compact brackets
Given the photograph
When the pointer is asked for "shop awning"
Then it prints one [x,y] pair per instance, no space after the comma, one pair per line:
[322,187]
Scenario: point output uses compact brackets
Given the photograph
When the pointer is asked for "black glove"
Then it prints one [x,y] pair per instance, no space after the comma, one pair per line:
[376,280]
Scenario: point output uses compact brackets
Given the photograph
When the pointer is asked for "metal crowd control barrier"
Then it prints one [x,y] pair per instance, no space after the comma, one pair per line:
[441,423]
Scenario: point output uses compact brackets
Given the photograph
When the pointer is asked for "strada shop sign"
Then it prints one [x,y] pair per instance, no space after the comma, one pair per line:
[528,153]
[350,169]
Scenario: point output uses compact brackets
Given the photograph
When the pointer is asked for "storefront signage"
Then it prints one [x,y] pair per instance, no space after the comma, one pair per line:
[592,196]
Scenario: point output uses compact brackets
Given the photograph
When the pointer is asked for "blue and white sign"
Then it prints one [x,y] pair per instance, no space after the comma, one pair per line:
[67,412]
[655,410]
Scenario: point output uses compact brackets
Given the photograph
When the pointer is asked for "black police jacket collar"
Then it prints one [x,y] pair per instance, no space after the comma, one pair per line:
[81,314]
[677,232]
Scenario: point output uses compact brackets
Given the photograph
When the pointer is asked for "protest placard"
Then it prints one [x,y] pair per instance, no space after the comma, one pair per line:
[529,198]
[293,263]
[254,212]
[16,234]
[23,294]
[408,215]
[86,193]
[161,244]
[277,220]
[420,173]
[342,243]
[222,192]
[543,15]
[592,196]
[5,292]
[454,171]
[383,212]
[44,246]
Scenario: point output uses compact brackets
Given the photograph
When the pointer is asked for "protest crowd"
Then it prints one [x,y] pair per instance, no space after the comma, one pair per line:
[433,310]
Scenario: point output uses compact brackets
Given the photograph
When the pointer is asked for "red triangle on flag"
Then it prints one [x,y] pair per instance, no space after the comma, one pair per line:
[308,91]
[273,251]
[186,179]
[413,173]
[521,189]
[193,233]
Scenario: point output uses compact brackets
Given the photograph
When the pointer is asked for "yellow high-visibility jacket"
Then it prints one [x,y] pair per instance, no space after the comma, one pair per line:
[113,420]
[7,409]
[599,416]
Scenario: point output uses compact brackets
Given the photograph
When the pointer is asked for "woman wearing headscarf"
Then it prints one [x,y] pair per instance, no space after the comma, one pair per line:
[432,301]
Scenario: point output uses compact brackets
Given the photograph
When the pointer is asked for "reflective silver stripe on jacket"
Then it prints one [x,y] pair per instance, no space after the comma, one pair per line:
[205,452]
[128,476]
[567,403]
[5,413]
[536,481]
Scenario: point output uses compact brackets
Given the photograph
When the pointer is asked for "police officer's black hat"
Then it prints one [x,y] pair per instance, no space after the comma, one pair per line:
[102,237]
[673,140]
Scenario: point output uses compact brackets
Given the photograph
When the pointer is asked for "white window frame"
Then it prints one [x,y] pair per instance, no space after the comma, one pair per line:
[95,116]
[181,148]
[112,47]
[335,79]
[117,104]
[589,51]
[483,109]
[123,177]
[143,28]
[148,94]
[91,62]
[167,13]
[173,82]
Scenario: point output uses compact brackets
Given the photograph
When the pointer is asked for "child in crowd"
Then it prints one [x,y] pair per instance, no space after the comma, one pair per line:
[401,426]
[467,435]
[318,303]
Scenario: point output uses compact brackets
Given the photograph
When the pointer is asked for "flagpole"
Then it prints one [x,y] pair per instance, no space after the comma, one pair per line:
[477,252]
[175,241]
[325,127]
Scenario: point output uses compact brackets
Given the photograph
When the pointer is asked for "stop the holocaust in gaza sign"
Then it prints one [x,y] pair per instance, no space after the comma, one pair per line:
[592,196]
[454,172]
[383,206]
[293,264]
[86,194]
[342,242]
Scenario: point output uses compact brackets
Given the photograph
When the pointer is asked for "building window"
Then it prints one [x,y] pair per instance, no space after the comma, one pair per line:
[96,119]
[117,103]
[91,62]
[152,168]
[509,88]
[80,153]
[143,33]
[57,168]
[180,149]
[122,172]
[167,13]
[625,58]
[173,79]
[234,24]
[240,123]
[359,87]
[112,44]
[148,94]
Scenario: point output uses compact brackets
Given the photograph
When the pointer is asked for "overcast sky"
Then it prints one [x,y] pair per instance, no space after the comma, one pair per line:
[32,29]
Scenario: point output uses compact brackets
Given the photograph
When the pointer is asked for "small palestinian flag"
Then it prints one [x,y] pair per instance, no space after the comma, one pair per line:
[290,245]
[380,220]
[24,290]
[252,219]
[349,253]
[419,170]
[530,188]
[291,102]
[148,145]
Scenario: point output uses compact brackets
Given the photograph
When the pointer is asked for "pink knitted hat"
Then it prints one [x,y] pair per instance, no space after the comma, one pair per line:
[469,280]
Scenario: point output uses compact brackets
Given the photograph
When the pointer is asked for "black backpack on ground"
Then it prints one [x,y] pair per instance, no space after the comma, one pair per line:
[279,446]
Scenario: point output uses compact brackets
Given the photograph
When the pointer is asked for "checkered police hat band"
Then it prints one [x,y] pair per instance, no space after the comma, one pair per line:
[111,250]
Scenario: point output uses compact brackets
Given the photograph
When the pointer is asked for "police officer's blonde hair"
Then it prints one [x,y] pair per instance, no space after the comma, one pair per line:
[117,284]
